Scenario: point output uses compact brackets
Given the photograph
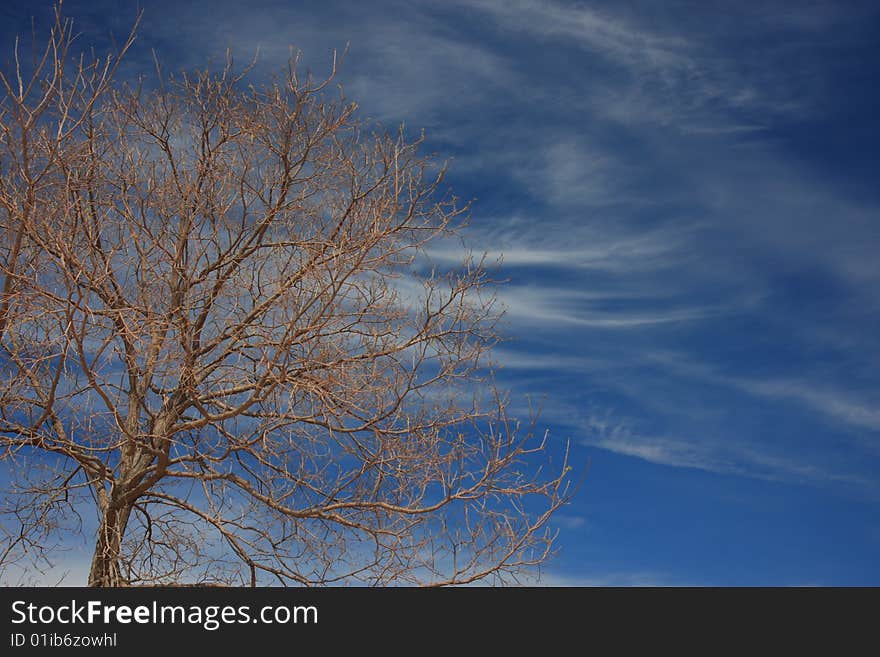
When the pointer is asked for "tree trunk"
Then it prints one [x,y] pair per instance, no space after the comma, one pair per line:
[105,569]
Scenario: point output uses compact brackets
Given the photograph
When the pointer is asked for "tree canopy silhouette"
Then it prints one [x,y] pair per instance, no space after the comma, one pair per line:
[218,331]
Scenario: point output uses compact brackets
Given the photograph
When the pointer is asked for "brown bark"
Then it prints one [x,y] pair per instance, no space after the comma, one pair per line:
[106,561]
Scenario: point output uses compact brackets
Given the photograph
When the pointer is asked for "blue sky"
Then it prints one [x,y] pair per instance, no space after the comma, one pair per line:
[684,195]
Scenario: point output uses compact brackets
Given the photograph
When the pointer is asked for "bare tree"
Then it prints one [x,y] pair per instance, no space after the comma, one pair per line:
[218,331]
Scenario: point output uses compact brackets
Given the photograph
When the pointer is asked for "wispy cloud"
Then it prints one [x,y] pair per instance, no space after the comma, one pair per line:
[695,434]
[588,27]
[841,405]
[70,570]
[560,308]
[673,79]
[570,521]
[529,360]
[612,579]
[847,406]
[535,241]
[725,457]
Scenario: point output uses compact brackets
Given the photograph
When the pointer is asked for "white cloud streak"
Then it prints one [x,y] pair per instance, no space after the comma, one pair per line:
[847,407]
[587,27]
